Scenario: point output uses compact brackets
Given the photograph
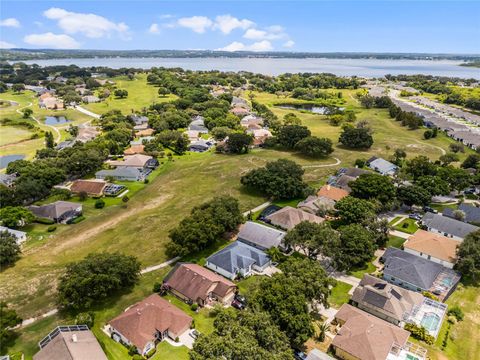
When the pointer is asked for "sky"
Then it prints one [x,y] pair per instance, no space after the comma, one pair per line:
[312,26]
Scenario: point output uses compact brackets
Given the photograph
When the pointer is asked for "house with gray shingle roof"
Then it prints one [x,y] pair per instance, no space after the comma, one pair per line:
[121,173]
[447,226]
[472,213]
[415,273]
[382,166]
[261,236]
[238,259]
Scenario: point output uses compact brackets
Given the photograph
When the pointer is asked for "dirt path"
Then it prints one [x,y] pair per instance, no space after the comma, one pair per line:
[86,112]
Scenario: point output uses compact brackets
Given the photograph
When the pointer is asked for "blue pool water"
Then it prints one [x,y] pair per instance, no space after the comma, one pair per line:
[55,120]
[430,321]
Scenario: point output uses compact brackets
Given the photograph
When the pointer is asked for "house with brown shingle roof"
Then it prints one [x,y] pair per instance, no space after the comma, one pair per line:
[91,187]
[138,161]
[288,217]
[332,193]
[432,246]
[148,322]
[146,132]
[135,149]
[195,284]
[365,337]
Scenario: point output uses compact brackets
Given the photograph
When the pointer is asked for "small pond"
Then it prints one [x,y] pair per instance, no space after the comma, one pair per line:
[316,109]
[7,159]
[55,120]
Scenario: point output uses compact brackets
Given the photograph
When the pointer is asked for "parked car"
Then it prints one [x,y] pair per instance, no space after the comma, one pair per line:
[241,299]
[194,333]
[299,355]
[470,191]
[238,305]
[415,216]
[430,209]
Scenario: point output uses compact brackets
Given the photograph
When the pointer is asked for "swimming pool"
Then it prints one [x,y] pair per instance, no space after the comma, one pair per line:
[430,321]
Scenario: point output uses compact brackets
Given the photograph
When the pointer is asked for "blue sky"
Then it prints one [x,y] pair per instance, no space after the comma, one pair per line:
[319,26]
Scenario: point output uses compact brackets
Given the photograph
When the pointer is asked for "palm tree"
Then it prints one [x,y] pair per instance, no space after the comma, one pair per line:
[322,331]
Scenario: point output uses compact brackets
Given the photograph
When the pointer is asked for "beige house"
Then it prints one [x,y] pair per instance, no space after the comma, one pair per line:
[288,217]
[434,247]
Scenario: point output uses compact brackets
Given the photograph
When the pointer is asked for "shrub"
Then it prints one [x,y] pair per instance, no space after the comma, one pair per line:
[429,295]
[157,287]
[457,312]
[420,333]
[177,339]
[137,357]
[51,228]
[85,318]
[82,195]
[125,199]
[194,307]
[132,351]
[146,181]
[360,163]
[99,204]
[150,353]
[76,220]
[44,221]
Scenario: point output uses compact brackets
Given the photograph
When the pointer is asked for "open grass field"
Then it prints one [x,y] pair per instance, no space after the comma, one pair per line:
[141,228]
[140,95]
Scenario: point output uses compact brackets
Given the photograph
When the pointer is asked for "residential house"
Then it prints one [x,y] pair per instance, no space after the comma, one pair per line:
[193,135]
[148,322]
[86,133]
[418,274]
[194,284]
[137,161]
[398,305]
[146,132]
[135,149]
[90,187]
[70,342]
[362,336]
[200,145]
[386,301]
[59,211]
[238,101]
[259,136]
[7,179]
[138,119]
[238,259]
[251,122]
[90,99]
[288,217]
[261,236]
[142,140]
[344,176]
[122,174]
[315,204]
[472,213]
[50,102]
[65,144]
[447,226]
[332,192]
[21,236]
[433,247]
[382,166]
[198,124]
[239,111]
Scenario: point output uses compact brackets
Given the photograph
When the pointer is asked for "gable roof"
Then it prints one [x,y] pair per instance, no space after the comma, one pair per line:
[472,213]
[142,320]
[382,166]
[135,149]
[314,203]
[137,160]
[54,210]
[386,298]
[448,225]
[89,186]
[365,336]
[238,256]
[263,236]
[332,192]
[63,347]
[436,245]
[353,172]
[194,281]
[128,172]
[288,217]
[411,268]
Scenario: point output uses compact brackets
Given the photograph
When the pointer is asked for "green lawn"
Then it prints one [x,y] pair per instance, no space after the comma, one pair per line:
[397,218]
[140,95]
[202,319]
[339,294]
[246,286]
[410,227]
[359,272]
[395,241]
[165,351]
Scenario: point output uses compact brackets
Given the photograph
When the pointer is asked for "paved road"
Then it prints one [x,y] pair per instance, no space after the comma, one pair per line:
[337,162]
[258,208]
[86,112]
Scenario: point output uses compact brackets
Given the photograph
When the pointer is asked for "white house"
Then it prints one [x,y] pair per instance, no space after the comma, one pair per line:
[20,235]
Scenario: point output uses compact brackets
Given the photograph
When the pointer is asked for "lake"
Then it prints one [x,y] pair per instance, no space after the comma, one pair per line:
[55,120]
[7,159]
[271,66]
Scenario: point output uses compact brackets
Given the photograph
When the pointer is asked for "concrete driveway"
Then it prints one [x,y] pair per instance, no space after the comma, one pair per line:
[186,339]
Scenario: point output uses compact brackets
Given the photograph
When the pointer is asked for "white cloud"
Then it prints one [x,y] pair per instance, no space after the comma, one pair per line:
[264,45]
[288,44]
[227,23]
[198,24]
[91,25]
[255,34]
[10,22]
[6,45]
[275,28]
[154,29]
[50,40]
